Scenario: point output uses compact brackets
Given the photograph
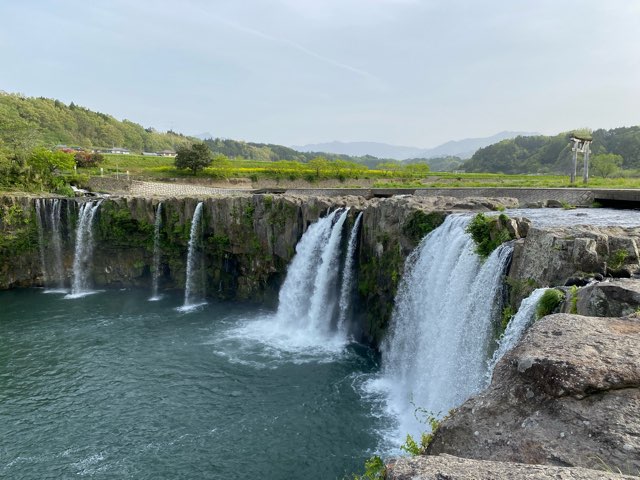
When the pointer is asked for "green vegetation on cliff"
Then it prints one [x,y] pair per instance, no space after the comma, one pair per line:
[489,233]
[18,232]
[549,302]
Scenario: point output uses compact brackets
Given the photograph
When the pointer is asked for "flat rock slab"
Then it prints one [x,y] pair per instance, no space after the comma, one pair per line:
[574,355]
[447,467]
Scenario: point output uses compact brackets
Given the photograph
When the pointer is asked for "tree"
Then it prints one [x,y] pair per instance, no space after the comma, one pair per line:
[194,158]
[47,162]
[605,164]
[318,164]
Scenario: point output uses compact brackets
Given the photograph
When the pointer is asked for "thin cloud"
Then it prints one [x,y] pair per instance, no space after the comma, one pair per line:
[374,80]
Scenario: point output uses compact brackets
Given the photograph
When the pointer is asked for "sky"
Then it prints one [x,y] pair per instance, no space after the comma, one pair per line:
[292,72]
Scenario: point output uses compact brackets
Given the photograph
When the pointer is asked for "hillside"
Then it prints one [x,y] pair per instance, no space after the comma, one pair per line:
[272,152]
[50,122]
[552,154]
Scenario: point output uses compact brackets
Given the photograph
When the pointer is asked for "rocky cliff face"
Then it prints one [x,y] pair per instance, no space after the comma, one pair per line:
[567,395]
[550,256]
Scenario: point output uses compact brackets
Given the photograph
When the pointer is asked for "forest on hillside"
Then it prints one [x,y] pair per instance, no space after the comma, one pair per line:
[49,122]
[552,154]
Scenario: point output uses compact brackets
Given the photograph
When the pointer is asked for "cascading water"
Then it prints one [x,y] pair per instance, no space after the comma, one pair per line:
[194,261]
[323,299]
[41,245]
[435,355]
[50,243]
[82,260]
[56,243]
[307,310]
[156,254]
[516,328]
[346,290]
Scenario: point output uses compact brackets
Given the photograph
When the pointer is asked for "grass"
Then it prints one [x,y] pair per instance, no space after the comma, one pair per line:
[549,302]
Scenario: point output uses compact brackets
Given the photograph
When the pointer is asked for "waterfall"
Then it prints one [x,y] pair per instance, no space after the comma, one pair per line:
[193,259]
[56,243]
[50,243]
[41,245]
[435,355]
[83,255]
[346,290]
[516,328]
[308,298]
[156,254]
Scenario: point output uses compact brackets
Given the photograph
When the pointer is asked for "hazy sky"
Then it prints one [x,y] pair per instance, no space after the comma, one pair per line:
[409,72]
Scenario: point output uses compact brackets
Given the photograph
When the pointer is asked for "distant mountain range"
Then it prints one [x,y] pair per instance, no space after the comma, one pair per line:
[459,148]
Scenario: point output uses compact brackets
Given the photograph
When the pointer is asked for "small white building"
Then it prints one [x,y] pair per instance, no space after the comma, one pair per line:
[119,150]
[166,153]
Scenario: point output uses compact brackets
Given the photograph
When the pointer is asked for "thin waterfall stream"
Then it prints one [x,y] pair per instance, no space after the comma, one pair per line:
[194,268]
[156,254]
[346,289]
[516,327]
[48,213]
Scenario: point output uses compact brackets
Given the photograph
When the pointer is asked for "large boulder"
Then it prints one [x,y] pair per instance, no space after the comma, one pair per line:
[613,298]
[447,467]
[567,395]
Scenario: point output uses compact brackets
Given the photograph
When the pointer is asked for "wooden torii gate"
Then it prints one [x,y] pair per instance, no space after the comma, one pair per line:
[581,144]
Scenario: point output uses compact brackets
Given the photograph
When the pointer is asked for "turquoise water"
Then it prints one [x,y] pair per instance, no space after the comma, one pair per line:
[113,386]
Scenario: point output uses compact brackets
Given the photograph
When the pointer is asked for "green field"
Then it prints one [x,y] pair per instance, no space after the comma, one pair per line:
[163,167]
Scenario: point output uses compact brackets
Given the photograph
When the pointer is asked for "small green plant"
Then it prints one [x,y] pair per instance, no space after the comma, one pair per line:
[421,223]
[549,302]
[488,233]
[507,314]
[573,299]
[567,206]
[410,445]
[374,469]
[617,258]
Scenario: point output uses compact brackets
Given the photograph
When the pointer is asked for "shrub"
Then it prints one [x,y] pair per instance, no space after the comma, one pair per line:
[88,160]
[617,258]
[488,233]
[549,302]
[374,469]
